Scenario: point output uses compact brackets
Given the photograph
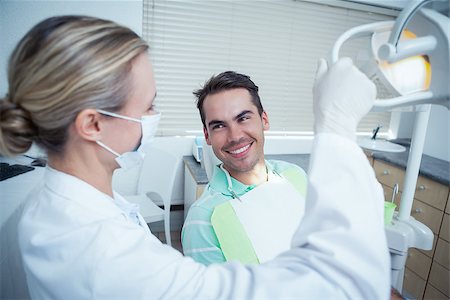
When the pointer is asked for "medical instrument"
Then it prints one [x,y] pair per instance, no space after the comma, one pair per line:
[375,132]
[379,144]
[394,192]
[413,66]
[389,207]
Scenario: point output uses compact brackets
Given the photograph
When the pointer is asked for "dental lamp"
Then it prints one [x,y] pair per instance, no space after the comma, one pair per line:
[411,64]
[402,59]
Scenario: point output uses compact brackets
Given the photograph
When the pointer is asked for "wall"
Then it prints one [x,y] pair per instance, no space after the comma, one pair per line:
[17,17]
[437,142]
[401,125]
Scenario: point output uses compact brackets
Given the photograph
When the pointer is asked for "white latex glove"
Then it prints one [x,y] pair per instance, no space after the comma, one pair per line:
[342,96]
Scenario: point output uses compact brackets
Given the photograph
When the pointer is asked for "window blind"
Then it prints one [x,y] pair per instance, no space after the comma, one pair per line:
[276,43]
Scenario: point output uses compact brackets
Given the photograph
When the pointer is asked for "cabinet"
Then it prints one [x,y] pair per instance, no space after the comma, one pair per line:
[427,272]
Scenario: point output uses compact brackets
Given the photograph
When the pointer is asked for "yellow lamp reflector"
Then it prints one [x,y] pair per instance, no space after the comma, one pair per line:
[409,75]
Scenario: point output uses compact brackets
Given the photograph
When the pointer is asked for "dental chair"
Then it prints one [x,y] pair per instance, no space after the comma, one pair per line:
[209,160]
[154,187]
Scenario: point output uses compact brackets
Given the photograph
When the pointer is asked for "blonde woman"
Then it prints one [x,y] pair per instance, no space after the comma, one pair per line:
[83,89]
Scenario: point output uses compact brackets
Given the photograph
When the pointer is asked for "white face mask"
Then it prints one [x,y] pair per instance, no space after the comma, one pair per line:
[149,124]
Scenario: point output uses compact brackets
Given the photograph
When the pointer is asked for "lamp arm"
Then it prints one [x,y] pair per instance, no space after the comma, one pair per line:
[406,100]
[417,46]
[389,50]
[356,32]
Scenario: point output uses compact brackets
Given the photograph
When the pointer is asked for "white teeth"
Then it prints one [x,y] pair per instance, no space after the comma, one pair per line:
[240,150]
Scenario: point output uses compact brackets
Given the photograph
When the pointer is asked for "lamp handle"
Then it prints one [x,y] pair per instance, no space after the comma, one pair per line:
[406,100]
[356,32]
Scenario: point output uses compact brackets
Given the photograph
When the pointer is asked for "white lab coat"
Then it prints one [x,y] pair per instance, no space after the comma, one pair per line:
[78,243]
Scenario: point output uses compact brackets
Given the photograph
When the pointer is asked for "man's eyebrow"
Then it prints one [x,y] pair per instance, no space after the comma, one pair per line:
[240,115]
[214,122]
[243,113]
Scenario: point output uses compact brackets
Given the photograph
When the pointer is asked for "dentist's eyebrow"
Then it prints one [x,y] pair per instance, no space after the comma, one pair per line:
[243,114]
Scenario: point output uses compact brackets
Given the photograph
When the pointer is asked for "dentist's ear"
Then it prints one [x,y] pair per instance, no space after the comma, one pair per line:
[87,125]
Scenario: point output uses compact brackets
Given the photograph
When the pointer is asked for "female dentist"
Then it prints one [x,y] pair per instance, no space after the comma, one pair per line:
[83,89]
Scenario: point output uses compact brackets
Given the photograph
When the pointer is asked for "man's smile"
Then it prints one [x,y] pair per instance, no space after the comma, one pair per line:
[239,151]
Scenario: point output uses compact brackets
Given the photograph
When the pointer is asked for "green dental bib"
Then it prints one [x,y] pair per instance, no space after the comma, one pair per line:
[232,237]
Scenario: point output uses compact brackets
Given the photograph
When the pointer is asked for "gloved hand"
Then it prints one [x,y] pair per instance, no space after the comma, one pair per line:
[342,96]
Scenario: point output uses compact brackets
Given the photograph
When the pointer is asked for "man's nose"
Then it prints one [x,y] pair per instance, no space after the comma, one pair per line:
[234,133]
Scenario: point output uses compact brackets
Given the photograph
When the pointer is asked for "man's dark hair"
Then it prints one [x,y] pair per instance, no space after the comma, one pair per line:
[227,81]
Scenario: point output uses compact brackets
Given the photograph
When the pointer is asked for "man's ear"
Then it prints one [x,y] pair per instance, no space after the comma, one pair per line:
[87,125]
[205,132]
[265,121]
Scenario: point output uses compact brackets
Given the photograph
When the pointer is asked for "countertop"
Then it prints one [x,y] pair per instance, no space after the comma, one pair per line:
[430,167]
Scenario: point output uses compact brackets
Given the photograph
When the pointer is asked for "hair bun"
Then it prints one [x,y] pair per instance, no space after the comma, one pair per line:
[17,130]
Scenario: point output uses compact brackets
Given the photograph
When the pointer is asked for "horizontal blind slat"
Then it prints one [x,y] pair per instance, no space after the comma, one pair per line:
[277,43]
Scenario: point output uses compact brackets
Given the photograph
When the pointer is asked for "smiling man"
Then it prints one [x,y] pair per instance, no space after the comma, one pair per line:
[252,206]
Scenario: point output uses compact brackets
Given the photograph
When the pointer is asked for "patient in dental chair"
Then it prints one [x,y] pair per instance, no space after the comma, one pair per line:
[248,199]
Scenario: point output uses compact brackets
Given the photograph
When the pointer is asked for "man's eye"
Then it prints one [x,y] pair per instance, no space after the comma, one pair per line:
[218,126]
[244,118]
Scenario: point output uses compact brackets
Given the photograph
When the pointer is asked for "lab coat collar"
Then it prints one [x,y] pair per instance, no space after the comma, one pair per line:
[219,181]
[71,188]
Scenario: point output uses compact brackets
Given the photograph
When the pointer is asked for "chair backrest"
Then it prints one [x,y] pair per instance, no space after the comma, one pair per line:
[158,174]
[125,181]
[209,160]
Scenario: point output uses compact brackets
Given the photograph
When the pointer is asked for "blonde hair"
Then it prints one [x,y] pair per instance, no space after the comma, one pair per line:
[60,67]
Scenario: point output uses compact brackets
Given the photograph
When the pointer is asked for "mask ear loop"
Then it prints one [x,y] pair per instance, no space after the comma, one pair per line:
[108,148]
[111,114]
[230,184]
